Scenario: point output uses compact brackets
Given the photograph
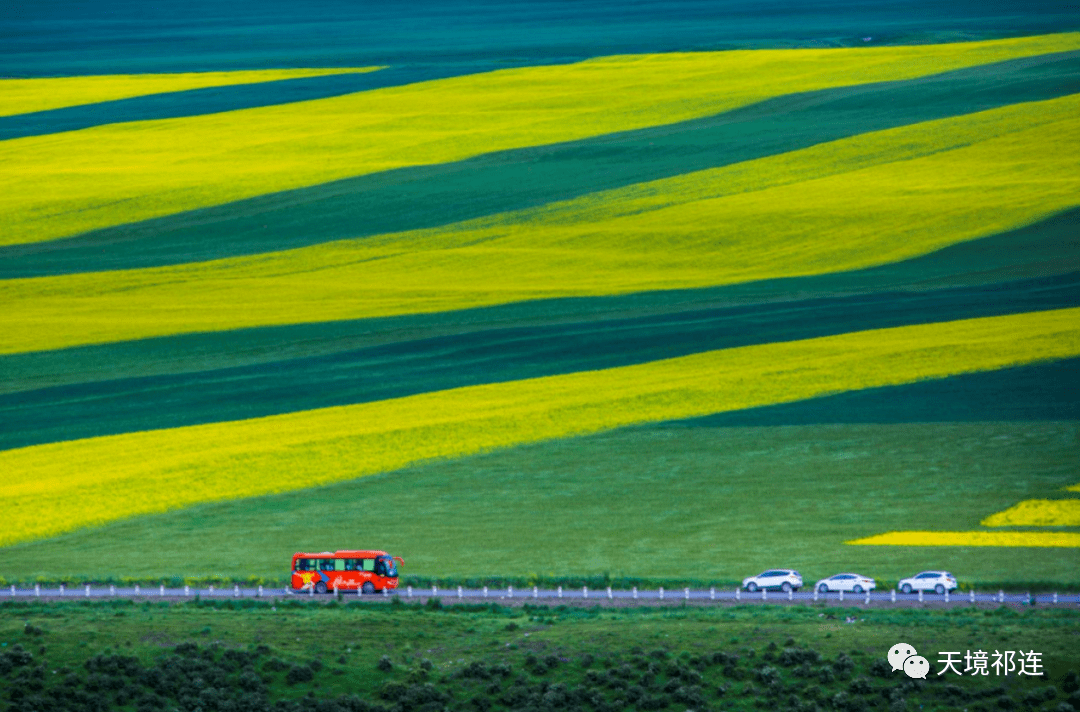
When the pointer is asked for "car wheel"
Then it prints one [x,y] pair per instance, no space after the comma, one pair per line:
[906,588]
[751,587]
[320,587]
[823,588]
[369,587]
[857,589]
[785,587]
[939,590]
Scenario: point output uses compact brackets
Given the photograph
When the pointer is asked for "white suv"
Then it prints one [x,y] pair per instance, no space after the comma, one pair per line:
[937,581]
[783,579]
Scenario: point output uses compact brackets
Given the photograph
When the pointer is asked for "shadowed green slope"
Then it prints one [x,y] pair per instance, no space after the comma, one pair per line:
[427,196]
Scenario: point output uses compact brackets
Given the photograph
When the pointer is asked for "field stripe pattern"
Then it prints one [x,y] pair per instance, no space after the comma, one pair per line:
[237,305]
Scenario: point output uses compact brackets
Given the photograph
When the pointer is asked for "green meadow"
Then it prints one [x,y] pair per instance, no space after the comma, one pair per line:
[376,657]
[664,317]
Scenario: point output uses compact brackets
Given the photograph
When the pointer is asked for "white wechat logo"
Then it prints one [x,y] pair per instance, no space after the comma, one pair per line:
[903,656]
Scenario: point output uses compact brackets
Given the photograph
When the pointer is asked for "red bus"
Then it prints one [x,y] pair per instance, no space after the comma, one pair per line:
[361,571]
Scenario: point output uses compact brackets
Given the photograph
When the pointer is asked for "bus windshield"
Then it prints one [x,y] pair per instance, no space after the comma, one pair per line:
[384,566]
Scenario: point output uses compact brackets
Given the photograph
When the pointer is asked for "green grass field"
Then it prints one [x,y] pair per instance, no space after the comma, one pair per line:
[377,657]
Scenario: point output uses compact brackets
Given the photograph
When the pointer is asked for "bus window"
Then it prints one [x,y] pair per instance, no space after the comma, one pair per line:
[339,564]
[305,565]
[353,565]
[326,564]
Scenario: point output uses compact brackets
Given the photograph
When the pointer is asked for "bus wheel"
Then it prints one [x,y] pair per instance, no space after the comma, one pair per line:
[369,587]
[320,587]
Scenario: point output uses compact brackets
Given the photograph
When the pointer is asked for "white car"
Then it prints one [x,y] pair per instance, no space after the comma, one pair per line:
[853,583]
[782,579]
[937,581]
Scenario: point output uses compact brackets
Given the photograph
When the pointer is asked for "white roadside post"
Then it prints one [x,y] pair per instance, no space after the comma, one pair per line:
[661,593]
[1055,595]
[87,590]
[972,595]
[161,590]
[738,594]
[260,593]
[485,591]
[236,589]
[946,595]
[609,593]
[815,593]
[712,593]
[408,591]
[560,591]
[385,592]
[335,589]
[62,592]
[868,598]
[584,591]
[460,593]
[764,594]
[1001,596]
[841,594]
[435,589]
[37,589]
[187,590]
[920,595]
[210,591]
[686,593]
[112,590]
[509,591]
[892,595]
[536,592]
[790,594]
[136,589]
[633,592]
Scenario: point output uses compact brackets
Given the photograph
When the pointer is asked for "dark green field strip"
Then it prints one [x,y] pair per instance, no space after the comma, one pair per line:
[1045,391]
[488,355]
[428,196]
[131,36]
[212,100]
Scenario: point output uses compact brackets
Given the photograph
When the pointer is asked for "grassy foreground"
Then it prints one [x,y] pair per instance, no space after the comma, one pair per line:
[364,657]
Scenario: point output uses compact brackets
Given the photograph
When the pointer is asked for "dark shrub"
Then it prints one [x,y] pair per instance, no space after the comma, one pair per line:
[299,673]
[385,664]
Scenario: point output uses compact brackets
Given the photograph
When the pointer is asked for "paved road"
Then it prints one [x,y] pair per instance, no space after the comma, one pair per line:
[557,596]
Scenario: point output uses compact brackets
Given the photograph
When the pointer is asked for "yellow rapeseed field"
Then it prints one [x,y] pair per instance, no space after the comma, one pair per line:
[1038,513]
[58,185]
[863,201]
[23,96]
[88,482]
[973,538]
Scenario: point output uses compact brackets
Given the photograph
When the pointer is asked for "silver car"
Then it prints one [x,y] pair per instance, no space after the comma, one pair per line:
[853,583]
[781,579]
